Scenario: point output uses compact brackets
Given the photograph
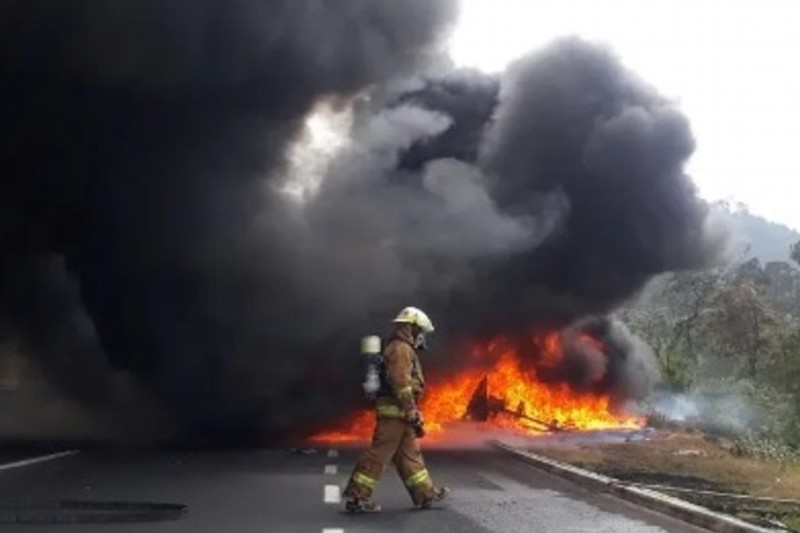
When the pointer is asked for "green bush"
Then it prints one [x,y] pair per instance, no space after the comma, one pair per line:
[760,447]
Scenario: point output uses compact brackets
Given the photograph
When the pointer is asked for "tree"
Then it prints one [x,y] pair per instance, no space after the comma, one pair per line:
[785,375]
[783,287]
[670,317]
[787,365]
[688,295]
[656,326]
[744,325]
[795,252]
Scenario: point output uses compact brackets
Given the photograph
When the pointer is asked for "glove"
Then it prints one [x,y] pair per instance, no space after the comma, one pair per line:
[419,388]
[413,416]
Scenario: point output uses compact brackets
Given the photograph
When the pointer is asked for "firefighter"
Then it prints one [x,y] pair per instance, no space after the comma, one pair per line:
[399,421]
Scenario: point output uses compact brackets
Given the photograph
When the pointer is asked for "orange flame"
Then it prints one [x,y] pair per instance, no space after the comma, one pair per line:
[518,389]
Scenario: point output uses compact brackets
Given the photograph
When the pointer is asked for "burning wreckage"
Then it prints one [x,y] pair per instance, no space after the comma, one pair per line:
[520,385]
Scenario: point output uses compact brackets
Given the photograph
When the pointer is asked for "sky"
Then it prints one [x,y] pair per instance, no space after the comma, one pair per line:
[733,67]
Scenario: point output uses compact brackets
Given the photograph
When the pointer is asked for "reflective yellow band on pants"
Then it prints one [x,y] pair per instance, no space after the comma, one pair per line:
[390,411]
[419,478]
[407,392]
[365,480]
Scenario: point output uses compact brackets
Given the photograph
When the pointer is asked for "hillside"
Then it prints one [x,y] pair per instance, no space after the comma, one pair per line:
[767,241]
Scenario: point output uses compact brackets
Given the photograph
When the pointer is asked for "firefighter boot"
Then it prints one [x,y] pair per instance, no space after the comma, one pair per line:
[437,496]
[361,506]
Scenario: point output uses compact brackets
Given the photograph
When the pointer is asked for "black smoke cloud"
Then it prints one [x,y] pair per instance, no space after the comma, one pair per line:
[145,145]
[142,142]
[576,132]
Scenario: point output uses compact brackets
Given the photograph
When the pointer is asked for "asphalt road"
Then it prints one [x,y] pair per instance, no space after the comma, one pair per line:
[265,491]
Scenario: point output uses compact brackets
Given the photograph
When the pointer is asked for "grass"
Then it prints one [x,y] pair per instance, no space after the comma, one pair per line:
[691,460]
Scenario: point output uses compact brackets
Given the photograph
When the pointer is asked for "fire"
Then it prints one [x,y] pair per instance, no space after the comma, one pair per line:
[512,396]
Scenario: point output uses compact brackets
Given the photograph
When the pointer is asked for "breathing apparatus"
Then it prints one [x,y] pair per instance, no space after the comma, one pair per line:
[372,361]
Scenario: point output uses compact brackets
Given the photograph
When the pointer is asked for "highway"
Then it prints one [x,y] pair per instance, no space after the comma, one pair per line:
[282,491]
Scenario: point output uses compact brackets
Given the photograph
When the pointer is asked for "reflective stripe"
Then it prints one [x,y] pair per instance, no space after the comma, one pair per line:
[418,478]
[406,391]
[365,480]
[391,411]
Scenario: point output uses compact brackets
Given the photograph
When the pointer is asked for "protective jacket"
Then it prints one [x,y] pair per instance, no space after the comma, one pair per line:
[403,380]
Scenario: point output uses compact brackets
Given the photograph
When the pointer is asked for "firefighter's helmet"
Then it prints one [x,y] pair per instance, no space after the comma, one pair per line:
[412,315]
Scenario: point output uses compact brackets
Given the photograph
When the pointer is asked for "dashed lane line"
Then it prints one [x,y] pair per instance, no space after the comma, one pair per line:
[332,494]
[36,460]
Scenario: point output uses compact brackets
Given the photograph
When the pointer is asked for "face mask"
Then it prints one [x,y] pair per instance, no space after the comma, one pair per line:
[420,343]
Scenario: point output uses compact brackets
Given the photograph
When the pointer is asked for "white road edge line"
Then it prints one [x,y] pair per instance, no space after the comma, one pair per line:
[333,494]
[35,460]
[332,530]
[331,470]
[333,453]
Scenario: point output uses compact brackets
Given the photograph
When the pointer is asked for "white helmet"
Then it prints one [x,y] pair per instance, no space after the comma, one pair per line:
[412,315]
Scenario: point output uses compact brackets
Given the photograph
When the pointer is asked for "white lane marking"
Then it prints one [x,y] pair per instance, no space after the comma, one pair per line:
[333,494]
[332,530]
[333,453]
[331,470]
[35,460]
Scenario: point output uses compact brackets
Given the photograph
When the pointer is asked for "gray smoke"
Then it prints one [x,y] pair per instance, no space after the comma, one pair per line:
[146,144]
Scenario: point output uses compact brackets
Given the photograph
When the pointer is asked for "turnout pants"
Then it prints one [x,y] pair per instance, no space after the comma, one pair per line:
[393,441]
